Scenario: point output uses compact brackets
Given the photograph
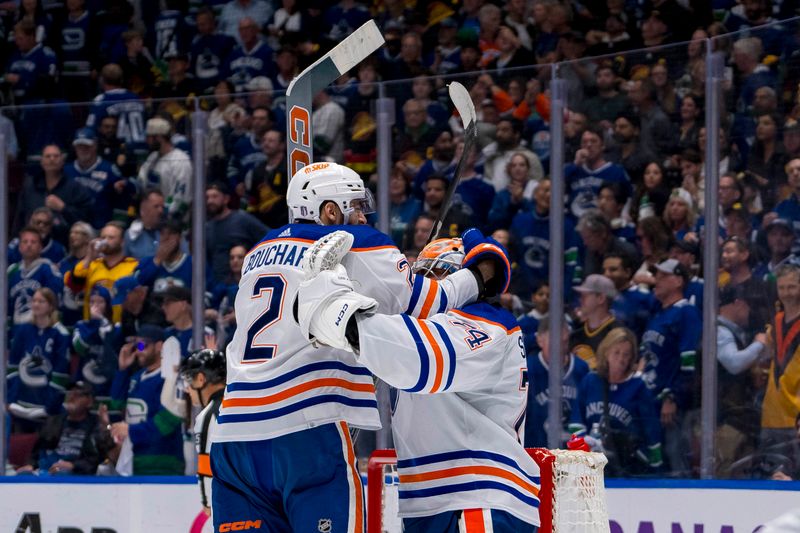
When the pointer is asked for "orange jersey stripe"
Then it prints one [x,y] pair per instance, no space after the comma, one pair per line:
[473,521]
[437,352]
[299,389]
[433,290]
[485,320]
[359,495]
[203,464]
[465,470]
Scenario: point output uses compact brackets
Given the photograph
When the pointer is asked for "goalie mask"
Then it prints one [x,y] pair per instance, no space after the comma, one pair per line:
[439,258]
[315,184]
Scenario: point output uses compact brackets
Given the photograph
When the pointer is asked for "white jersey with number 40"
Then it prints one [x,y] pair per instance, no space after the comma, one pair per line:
[278,383]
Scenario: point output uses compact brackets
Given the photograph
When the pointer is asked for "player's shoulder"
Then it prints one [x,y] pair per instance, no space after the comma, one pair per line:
[365,238]
[489,314]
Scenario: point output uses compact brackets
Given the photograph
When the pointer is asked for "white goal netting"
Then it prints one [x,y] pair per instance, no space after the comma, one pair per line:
[572,493]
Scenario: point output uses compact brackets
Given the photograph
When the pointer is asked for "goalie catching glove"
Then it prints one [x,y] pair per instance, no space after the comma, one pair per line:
[326,303]
[478,248]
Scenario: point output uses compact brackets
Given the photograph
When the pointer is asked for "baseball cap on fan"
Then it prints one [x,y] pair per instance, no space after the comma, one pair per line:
[599,284]
[85,136]
[674,267]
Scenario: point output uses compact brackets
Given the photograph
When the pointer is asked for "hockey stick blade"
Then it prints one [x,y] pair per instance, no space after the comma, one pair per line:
[466,109]
[324,71]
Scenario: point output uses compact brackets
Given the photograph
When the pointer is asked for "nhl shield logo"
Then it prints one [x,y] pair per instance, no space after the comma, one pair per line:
[325,525]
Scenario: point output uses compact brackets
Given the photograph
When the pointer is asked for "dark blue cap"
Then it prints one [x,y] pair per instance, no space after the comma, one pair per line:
[123,287]
[151,332]
[85,136]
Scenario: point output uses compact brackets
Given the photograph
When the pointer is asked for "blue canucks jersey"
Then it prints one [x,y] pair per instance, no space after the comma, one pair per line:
[100,179]
[530,234]
[160,277]
[129,110]
[477,195]
[633,307]
[53,251]
[694,292]
[537,385]
[669,348]
[88,340]
[583,185]
[154,432]
[631,409]
[245,156]
[31,67]
[207,55]
[529,323]
[38,366]
[24,280]
[75,46]
[789,209]
[243,66]
[170,34]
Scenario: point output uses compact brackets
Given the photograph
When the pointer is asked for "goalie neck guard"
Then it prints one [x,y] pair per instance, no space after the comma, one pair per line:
[315,184]
[440,258]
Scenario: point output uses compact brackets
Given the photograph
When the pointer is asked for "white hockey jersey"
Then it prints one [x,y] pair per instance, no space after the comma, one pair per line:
[278,383]
[457,439]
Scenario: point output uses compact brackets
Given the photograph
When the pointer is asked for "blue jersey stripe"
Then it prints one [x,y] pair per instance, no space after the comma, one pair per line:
[322,365]
[309,402]
[463,454]
[423,356]
[416,290]
[467,487]
[442,301]
[450,351]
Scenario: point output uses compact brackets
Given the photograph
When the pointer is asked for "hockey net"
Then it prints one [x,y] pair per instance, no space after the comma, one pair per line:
[572,493]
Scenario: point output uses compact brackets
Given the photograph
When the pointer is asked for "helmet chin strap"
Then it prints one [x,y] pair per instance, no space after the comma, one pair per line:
[199,391]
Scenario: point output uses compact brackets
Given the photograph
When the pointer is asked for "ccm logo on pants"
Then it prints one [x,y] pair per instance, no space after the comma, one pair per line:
[240,526]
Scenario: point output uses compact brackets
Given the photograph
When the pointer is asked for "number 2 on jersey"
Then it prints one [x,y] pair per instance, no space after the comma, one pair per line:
[272,288]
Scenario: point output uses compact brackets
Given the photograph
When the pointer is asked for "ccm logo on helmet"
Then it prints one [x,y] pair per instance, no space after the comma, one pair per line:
[341,314]
[240,526]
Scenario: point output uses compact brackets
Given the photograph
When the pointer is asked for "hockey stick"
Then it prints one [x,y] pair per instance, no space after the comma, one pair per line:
[466,109]
[324,71]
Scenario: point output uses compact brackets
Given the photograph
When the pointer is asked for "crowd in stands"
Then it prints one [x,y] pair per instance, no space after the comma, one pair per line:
[98,98]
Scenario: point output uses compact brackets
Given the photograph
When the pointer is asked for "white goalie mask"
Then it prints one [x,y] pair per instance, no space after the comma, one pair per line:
[315,184]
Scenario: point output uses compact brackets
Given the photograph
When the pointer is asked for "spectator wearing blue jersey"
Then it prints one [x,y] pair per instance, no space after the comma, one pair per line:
[529,322]
[669,349]
[246,153]
[611,201]
[680,215]
[32,68]
[208,51]
[752,74]
[176,302]
[514,198]
[251,58]
[38,364]
[687,252]
[154,431]
[42,219]
[789,209]
[223,296]
[474,193]
[617,399]
[343,18]
[123,104]
[88,341]
[590,170]
[235,11]
[536,382]
[170,266]
[76,47]
[29,275]
[111,192]
[633,305]
[170,34]
[780,238]
[530,238]
[439,161]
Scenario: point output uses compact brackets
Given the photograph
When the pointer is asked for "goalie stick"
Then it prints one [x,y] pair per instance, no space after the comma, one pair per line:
[324,71]
[466,109]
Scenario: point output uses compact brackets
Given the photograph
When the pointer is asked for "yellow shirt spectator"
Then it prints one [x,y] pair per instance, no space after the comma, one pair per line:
[105,264]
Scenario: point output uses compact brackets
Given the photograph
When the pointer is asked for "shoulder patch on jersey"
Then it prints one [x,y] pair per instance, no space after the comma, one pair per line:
[485,312]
